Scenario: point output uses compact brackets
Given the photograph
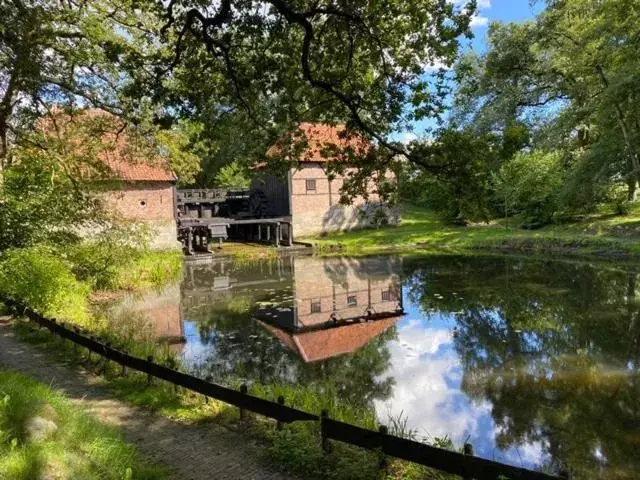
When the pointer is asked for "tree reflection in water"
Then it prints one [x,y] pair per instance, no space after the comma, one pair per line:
[554,347]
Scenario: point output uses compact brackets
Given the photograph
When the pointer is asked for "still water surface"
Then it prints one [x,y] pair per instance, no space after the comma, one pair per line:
[537,363]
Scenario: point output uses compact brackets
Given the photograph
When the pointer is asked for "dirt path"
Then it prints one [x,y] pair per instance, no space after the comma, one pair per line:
[192,452]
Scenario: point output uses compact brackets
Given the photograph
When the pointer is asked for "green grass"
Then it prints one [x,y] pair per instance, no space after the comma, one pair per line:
[247,251]
[603,235]
[149,269]
[80,447]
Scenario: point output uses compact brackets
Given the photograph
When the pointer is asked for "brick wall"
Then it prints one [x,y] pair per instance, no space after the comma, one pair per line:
[144,201]
[149,203]
[317,211]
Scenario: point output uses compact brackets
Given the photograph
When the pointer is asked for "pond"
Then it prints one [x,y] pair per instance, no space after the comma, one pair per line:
[534,362]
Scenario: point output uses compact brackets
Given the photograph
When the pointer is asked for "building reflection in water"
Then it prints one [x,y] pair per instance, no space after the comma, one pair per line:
[317,307]
[338,306]
[159,312]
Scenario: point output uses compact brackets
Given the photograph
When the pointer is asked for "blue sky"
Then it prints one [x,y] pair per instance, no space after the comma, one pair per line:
[488,11]
[499,10]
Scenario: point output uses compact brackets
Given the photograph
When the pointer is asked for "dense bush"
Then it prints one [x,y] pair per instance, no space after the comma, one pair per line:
[529,184]
[148,269]
[41,279]
[233,175]
[101,259]
[460,190]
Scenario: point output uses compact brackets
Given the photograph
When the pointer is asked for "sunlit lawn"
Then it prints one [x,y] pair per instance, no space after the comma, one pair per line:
[424,229]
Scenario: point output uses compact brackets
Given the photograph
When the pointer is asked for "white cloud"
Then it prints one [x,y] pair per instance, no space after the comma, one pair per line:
[437,65]
[408,137]
[425,373]
[479,21]
[428,394]
[481,3]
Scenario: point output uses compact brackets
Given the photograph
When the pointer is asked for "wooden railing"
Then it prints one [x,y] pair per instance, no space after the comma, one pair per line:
[209,195]
[465,465]
[201,195]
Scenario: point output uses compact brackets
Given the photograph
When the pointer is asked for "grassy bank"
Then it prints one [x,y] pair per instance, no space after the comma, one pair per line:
[598,235]
[295,449]
[80,447]
[67,285]
[247,251]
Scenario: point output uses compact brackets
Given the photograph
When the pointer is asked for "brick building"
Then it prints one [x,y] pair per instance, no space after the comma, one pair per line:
[307,194]
[145,194]
[129,174]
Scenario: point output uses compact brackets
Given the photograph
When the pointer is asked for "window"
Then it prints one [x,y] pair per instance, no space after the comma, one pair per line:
[311,185]
[316,306]
[390,295]
[143,203]
[352,300]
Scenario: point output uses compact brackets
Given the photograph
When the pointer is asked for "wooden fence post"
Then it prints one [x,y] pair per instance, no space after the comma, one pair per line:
[243,390]
[75,345]
[64,326]
[105,364]
[468,450]
[89,356]
[384,431]
[326,446]
[280,402]
[149,376]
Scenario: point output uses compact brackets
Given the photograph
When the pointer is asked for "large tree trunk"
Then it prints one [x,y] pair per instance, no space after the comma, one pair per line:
[632,182]
[632,190]
[5,112]
[4,148]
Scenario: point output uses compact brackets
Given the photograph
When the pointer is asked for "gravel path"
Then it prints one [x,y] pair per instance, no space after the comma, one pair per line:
[192,452]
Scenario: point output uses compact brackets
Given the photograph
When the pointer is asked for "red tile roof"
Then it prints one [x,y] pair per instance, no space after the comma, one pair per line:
[322,344]
[324,143]
[123,160]
[137,172]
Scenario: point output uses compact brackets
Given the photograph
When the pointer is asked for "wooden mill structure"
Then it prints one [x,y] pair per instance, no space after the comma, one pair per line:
[218,214]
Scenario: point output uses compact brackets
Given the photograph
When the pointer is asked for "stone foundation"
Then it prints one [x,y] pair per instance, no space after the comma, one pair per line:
[163,235]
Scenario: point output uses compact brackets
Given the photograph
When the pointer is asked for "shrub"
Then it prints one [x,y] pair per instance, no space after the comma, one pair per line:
[39,278]
[529,184]
[380,218]
[461,190]
[113,261]
[100,260]
[100,263]
[148,269]
[618,197]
